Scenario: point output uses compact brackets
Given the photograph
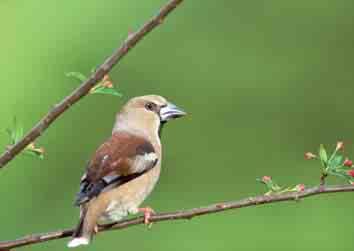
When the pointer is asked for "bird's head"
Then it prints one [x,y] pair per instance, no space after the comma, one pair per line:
[146,114]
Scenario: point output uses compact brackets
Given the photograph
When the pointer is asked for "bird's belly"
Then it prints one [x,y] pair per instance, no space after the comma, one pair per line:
[127,198]
[117,211]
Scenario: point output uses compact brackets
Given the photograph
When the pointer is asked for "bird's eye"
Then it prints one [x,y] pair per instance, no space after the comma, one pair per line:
[150,106]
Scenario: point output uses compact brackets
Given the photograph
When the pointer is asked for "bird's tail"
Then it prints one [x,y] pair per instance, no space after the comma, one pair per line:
[80,236]
[78,241]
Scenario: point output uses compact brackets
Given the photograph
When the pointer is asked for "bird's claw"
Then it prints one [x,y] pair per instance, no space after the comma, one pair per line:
[148,212]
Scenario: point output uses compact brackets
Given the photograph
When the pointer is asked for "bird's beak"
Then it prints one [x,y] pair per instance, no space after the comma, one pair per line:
[170,111]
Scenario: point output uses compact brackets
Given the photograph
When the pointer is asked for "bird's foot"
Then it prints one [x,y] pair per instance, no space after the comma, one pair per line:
[95,229]
[148,211]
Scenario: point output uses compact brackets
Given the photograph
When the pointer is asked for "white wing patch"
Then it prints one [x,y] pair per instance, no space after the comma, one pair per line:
[144,162]
[150,156]
[109,178]
[83,177]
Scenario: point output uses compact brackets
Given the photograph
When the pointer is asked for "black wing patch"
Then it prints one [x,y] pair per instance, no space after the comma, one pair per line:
[89,190]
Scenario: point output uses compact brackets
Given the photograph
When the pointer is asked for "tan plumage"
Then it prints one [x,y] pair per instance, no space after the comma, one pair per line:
[125,168]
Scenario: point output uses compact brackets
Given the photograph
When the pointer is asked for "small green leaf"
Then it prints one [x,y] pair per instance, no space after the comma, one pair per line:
[34,153]
[11,133]
[77,75]
[323,155]
[106,90]
[335,162]
[339,174]
[15,133]
[19,133]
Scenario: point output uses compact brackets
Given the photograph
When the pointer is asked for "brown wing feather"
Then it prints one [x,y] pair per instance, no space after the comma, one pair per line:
[115,161]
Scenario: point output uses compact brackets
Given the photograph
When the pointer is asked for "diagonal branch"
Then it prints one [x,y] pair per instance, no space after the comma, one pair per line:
[85,87]
[184,214]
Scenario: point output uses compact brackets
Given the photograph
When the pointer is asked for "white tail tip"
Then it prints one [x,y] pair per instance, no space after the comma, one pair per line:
[78,242]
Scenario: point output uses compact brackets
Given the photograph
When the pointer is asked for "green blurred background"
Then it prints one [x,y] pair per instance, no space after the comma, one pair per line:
[263,82]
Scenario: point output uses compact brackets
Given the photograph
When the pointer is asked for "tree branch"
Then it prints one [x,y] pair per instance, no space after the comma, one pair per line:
[82,91]
[184,214]
[85,87]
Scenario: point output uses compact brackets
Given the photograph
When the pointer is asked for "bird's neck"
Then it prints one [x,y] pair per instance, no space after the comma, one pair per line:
[150,134]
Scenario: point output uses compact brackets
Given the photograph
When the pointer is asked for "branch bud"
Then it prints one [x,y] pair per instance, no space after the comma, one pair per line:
[351,173]
[310,155]
[348,163]
[266,179]
[340,146]
[300,188]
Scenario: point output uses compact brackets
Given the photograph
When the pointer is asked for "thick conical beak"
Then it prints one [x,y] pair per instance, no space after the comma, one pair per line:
[170,111]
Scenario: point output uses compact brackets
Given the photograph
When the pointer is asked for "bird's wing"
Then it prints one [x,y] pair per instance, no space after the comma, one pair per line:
[120,159]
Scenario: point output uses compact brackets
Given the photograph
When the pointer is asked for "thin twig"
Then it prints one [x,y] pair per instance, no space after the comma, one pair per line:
[84,88]
[184,214]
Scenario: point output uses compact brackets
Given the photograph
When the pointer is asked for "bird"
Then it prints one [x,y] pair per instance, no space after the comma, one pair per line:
[125,168]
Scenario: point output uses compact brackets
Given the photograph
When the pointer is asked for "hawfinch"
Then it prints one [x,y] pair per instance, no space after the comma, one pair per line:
[125,168]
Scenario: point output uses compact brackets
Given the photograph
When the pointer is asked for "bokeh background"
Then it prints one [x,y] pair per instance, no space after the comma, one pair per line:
[263,82]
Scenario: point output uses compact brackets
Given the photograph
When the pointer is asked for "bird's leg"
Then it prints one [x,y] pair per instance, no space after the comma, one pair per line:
[148,211]
[95,229]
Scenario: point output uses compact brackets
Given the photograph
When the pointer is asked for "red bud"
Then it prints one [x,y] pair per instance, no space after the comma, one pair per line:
[266,179]
[351,173]
[348,163]
[300,187]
